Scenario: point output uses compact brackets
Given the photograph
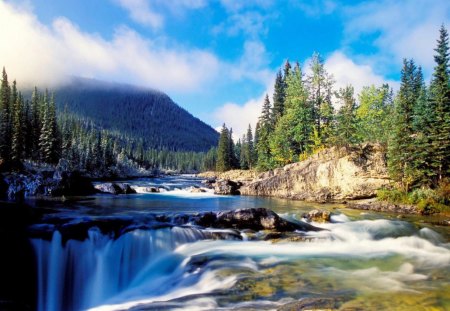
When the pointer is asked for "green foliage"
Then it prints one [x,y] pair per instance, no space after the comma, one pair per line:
[293,131]
[223,151]
[374,114]
[345,133]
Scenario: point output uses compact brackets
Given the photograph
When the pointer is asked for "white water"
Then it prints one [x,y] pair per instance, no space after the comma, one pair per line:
[164,264]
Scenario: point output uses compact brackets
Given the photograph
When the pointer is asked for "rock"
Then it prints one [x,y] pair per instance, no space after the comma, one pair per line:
[71,184]
[317,215]
[253,218]
[126,188]
[197,190]
[115,188]
[382,206]
[311,304]
[152,189]
[334,174]
[227,187]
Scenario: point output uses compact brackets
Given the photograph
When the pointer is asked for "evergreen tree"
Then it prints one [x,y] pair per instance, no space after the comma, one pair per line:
[279,95]
[440,106]
[233,160]
[36,122]
[264,129]
[250,148]
[5,118]
[48,139]
[346,118]
[401,147]
[244,160]
[320,85]
[18,139]
[223,158]
[293,131]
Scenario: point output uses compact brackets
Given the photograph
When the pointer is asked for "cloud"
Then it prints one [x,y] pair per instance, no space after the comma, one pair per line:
[45,55]
[345,71]
[148,13]
[140,12]
[238,117]
[398,29]
[315,8]
[253,64]
[236,6]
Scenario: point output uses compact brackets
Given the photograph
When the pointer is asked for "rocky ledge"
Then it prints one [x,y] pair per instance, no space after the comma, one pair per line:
[334,174]
[233,222]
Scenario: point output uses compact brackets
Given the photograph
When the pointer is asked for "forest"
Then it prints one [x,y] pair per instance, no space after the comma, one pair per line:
[413,126]
[35,130]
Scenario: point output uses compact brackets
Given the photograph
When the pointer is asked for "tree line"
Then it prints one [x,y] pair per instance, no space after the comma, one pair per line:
[34,130]
[413,125]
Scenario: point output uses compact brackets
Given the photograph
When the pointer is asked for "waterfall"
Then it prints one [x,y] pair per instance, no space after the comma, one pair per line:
[78,275]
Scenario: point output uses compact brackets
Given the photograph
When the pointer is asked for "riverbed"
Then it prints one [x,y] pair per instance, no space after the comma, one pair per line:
[361,261]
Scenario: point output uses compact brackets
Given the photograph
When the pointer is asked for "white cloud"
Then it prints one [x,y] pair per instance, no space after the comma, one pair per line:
[315,7]
[236,5]
[37,54]
[141,12]
[346,72]
[402,29]
[148,12]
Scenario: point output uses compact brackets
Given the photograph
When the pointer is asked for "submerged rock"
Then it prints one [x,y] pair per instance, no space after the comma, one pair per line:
[317,215]
[197,190]
[334,174]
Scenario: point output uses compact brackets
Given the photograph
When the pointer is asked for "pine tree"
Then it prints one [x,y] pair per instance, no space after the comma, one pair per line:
[346,118]
[17,150]
[48,139]
[279,96]
[232,159]
[36,123]
[5,118]
[293,131]
[251,155]
[440,106]
[320,85]
[401,147]
[244,160]
[223,159]
[264,129]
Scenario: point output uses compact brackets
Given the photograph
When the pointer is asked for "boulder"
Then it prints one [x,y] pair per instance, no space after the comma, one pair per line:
[334,174]
[197,190]
[227,187]
[317,215]
[115,188]
[71,184]
[253,218]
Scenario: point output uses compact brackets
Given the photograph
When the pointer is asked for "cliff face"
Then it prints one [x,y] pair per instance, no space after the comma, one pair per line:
[333,174]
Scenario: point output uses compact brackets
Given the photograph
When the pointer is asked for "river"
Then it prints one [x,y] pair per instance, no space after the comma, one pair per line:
[362,261]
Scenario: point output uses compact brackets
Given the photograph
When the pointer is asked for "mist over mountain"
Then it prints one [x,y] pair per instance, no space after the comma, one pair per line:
[136,112]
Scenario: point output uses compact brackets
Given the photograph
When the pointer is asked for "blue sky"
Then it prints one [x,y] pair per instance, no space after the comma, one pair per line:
[216,58]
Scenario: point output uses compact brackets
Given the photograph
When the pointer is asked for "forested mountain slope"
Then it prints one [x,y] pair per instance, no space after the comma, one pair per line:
[136,112]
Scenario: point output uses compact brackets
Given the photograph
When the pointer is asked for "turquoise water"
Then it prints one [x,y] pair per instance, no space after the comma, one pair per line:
[362,261]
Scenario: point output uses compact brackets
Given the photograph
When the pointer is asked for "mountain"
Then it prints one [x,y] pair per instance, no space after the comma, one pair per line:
[137,113]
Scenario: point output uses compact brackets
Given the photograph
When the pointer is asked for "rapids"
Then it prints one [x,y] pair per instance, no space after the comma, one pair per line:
[370,261]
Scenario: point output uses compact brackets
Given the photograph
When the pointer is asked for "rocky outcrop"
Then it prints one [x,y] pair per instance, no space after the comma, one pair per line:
[115,188]
[383,206]
[334,174]
[45,183]
[227,187]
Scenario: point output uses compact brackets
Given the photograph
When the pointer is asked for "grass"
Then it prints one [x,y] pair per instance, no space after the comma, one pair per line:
[429,201]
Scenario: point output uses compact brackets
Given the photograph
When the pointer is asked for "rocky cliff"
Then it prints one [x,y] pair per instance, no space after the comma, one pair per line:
[335,174]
